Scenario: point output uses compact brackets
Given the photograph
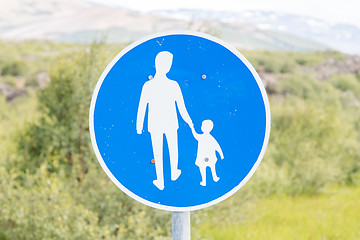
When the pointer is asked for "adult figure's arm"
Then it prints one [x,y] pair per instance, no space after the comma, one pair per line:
[195,134]
[181,105]
[141,110]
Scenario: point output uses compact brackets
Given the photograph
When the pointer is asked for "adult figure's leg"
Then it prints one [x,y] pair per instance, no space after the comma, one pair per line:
[157,144]
[171,137]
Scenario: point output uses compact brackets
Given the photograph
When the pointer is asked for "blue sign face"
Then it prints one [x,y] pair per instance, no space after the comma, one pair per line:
[179,121]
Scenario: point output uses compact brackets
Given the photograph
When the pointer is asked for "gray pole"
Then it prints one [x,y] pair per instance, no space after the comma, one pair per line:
[181,226]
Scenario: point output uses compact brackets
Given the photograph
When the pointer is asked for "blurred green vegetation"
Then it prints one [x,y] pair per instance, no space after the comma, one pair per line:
[52,187]
[333,215]
[284,62]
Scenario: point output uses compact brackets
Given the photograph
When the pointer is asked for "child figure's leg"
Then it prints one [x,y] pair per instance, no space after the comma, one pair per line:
[203,175]
[215,177]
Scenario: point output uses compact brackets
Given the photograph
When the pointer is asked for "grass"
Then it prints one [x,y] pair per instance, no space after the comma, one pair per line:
[334,214]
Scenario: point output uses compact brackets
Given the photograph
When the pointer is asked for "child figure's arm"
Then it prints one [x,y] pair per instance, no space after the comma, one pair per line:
[218,149]
[196,135]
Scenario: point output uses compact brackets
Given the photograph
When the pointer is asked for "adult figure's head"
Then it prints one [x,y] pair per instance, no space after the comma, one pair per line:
[163,62]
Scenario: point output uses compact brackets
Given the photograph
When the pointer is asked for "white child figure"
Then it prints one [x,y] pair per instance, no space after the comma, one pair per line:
[206,153]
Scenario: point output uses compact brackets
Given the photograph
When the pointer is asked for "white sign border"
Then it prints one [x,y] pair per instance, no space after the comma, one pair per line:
[163,34]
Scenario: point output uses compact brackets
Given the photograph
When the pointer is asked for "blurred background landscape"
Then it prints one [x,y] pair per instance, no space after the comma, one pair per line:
[53,52]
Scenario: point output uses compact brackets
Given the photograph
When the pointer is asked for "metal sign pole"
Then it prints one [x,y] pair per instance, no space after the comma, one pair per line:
[181,225]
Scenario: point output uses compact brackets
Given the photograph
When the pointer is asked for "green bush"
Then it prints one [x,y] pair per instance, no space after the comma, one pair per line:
[306,87]
[49,206]
[62,132]
[346,82]
[314,144]
[14,68]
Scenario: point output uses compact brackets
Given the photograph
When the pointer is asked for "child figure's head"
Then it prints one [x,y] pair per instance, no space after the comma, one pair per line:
[207,126]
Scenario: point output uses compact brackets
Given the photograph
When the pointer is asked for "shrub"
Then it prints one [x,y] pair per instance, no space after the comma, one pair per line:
[49,206]
[61,135]
[307,87]
[14,68]
[346,82]
[309,142]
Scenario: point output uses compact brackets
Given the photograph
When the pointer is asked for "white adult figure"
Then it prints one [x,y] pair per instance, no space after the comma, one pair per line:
[161,95]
